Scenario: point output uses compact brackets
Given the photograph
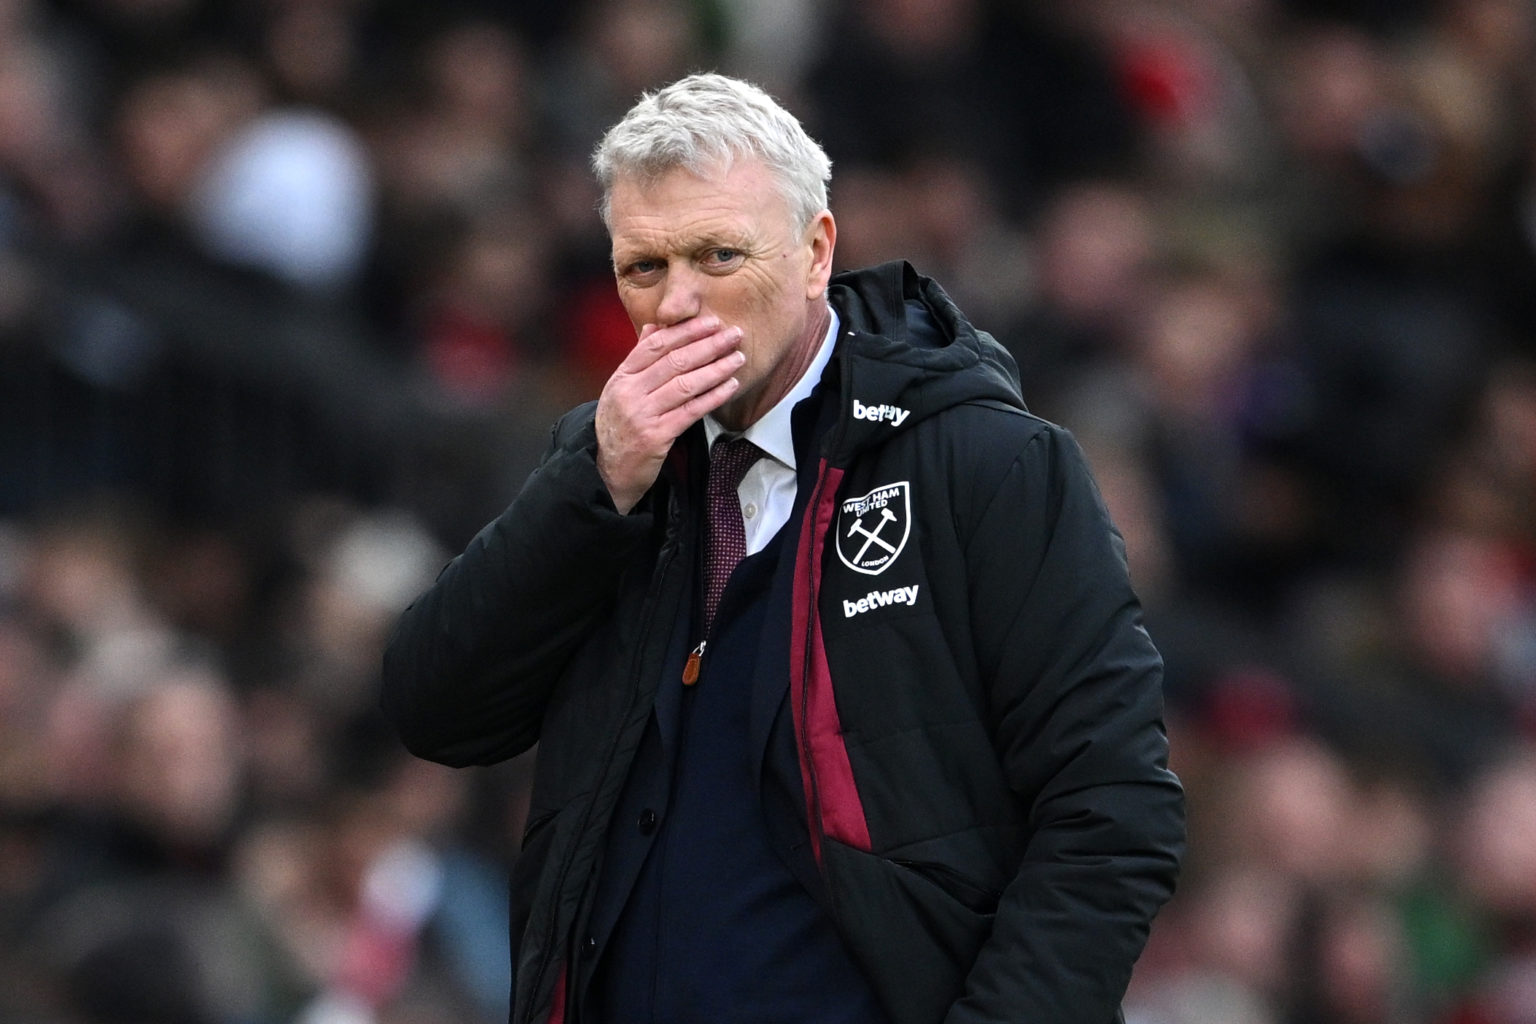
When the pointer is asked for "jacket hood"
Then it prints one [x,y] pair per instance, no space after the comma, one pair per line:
[905,353]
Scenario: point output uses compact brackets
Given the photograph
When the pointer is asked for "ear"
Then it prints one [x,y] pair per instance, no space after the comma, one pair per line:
[821,236]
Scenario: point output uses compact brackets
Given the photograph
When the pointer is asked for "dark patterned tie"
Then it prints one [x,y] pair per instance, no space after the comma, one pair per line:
[725,542]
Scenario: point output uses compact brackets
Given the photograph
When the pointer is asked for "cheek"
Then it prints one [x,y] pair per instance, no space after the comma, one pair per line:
[637,307]
[762,301]
[766,297]
[773,323]
[759,316]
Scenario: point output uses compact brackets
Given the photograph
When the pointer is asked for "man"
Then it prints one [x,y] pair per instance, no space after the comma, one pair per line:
[904,762]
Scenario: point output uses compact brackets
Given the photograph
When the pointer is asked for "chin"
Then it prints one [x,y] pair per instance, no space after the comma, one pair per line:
[734,415]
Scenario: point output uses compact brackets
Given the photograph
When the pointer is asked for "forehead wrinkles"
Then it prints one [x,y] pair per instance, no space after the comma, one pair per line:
[655,234]
[680,211]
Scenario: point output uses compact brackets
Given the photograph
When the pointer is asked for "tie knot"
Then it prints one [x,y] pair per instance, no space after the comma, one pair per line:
[729,461]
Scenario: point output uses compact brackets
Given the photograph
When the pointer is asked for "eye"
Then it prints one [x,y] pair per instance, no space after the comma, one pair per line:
[641,271]
[722,258]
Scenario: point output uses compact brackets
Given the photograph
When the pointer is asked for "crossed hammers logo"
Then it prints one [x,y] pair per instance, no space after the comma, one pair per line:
[872,536]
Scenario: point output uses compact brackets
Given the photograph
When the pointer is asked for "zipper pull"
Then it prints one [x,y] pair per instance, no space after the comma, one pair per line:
[691,666]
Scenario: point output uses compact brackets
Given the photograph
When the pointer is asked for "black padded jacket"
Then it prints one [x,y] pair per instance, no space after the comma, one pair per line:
[976,707]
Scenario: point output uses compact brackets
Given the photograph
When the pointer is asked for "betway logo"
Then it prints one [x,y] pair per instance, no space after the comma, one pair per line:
[879,599]
[880,413]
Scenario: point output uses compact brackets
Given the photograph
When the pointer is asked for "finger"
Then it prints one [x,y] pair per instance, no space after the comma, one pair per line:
[680,418]
[655,343]
[684,388]
[638,400]
[688,359]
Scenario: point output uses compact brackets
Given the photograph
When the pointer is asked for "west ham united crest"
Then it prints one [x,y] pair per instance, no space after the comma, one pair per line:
[872,530]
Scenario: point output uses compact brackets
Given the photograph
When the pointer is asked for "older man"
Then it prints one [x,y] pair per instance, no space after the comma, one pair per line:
[844,708]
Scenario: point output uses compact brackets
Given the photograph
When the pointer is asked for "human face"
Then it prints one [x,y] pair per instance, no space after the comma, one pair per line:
[726,245]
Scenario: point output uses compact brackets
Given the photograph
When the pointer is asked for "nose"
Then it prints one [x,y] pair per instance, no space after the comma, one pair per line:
[681,295]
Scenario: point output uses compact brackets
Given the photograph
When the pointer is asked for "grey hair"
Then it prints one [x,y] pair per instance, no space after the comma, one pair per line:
[706,121]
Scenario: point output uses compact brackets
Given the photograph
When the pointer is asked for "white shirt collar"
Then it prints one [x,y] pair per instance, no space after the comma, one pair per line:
[772,433]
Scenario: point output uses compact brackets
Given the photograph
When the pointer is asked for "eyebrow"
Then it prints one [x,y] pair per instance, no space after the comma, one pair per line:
[701,243]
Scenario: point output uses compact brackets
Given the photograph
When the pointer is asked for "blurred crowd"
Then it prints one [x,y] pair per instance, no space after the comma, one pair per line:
[290,291]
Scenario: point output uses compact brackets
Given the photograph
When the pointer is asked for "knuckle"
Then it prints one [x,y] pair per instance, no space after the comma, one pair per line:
[677,361]
[615,386]
[686,384]
[700,405]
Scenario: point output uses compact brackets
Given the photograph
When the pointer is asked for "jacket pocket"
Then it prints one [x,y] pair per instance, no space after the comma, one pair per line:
[972,895]
[972,865]
[914,939]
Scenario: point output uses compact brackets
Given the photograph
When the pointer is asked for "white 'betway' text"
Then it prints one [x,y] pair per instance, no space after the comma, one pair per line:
[877,413]
[879,599]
